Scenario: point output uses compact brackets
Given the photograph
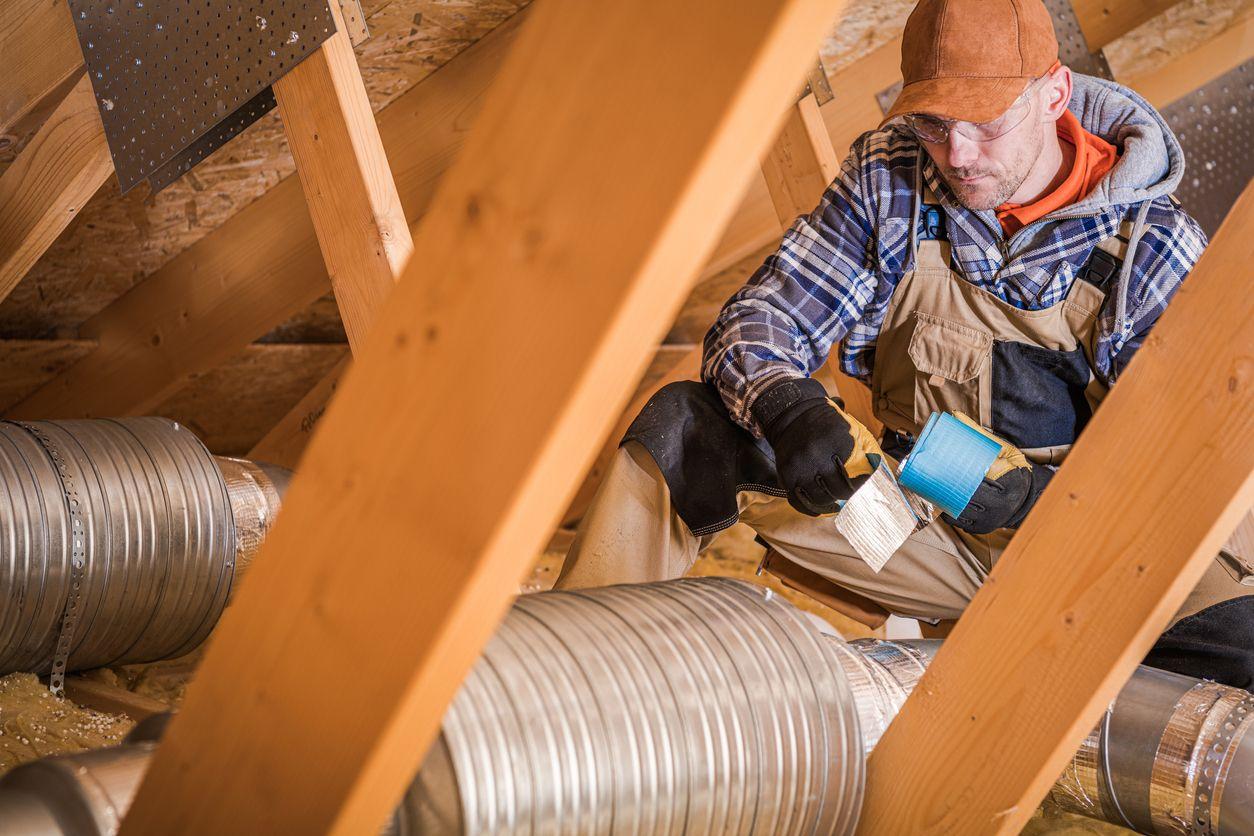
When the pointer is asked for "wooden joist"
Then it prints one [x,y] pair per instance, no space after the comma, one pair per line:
[41,60]
[502,357]
[1103,21]
[286,441]
[58,172]
[1111,550]
[352,199]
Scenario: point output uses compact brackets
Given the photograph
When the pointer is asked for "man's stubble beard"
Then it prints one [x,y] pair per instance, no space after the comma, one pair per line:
[1004,183]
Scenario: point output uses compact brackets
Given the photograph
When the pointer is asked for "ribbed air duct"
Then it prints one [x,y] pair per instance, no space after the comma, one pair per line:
[118,541]
[709,706]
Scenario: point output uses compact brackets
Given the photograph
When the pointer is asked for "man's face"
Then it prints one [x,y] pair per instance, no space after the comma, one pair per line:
[984,175]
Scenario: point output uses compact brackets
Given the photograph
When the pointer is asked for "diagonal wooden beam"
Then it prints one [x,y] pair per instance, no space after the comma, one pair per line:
[1103,21]
[1117,541]
[55,175]
[539,285]
[41,59]
[352,199]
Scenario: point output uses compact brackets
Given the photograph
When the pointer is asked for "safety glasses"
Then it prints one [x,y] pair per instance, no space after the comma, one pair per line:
[936,130]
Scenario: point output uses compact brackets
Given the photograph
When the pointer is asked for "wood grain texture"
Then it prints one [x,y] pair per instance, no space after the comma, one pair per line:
[233,405]
[481,415]
[101,696]
[1111,550]
[41,54]
[1103,21]
[260,267]
[284,443]
[29,364]
[352,199]
[61,168]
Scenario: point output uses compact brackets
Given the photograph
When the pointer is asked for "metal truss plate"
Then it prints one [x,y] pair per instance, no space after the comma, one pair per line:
[167,72]
[1214,124]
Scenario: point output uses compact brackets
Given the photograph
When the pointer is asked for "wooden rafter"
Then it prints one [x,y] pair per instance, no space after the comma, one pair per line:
[41,60]
[1230,48]
[1103,21]
[55,175]
[1113,547]
[497,365]
[352,198]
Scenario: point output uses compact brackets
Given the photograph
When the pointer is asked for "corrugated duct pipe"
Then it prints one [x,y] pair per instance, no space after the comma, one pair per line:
[709,706]
[120,540]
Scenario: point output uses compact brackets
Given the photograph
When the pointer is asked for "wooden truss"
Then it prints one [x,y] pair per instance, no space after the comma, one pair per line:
[487,380]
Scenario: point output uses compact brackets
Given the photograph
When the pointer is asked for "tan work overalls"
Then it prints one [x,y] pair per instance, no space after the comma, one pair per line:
[933,353]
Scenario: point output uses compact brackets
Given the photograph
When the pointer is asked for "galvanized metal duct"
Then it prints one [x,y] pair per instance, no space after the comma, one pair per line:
[589,693]
[695,706]
[118,541]
[1172,755]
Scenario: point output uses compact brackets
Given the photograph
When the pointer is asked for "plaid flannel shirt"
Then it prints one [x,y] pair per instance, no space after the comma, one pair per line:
[829,282]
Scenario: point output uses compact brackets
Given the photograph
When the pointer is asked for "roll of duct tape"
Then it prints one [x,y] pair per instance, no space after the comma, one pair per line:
[948,462]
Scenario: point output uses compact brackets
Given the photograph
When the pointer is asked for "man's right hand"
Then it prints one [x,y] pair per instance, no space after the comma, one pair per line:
[821,453]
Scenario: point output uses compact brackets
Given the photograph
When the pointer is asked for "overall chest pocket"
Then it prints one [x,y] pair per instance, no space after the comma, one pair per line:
[951,368]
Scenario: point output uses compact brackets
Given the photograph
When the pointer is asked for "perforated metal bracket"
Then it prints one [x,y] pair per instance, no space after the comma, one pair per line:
[1213,125]
[167,74]
[1073,49]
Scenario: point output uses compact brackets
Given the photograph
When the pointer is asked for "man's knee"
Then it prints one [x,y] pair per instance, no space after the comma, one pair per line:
[1216,643]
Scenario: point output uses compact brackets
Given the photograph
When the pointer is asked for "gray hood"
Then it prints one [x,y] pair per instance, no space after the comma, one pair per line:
[1151,162]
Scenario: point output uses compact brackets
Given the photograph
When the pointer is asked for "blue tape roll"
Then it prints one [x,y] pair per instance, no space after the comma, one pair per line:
[948,463]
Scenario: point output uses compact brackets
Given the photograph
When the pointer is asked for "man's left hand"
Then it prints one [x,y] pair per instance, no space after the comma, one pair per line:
[1008,491]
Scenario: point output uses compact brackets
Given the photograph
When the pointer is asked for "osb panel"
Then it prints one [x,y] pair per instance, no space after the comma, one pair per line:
[25,365]
[114,242]
[234,405]
[1178,30]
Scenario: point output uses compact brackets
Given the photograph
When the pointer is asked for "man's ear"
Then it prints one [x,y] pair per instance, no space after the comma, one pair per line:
[1056,94]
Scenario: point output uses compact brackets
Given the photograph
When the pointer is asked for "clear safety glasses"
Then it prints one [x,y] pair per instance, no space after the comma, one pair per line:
[934,129]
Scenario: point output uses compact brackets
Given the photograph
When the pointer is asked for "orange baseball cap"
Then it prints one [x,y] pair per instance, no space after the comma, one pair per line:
[970,59]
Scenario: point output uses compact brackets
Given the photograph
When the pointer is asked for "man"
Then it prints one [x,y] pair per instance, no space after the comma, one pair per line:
[1000,248]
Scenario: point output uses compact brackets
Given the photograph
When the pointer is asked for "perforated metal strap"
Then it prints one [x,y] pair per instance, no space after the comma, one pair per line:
[78,558]
[1211,776]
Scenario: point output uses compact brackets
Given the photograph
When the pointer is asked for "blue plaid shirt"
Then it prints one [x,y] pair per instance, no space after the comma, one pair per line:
[830,281]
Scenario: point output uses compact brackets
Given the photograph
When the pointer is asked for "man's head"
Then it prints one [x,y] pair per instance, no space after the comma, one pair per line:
[983,90]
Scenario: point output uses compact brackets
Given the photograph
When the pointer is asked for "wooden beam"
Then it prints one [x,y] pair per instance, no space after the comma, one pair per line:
[100,696]
[1112,549]
[286,441]
[352,199]
[1103,21]
[500,361]
[41,58]
[260,267]
[798,169]
[740,249]
[55,175]
[1233,46]
[855,108]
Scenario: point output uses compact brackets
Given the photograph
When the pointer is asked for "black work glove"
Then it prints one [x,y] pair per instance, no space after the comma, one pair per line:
[821,453]
[1008,491]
